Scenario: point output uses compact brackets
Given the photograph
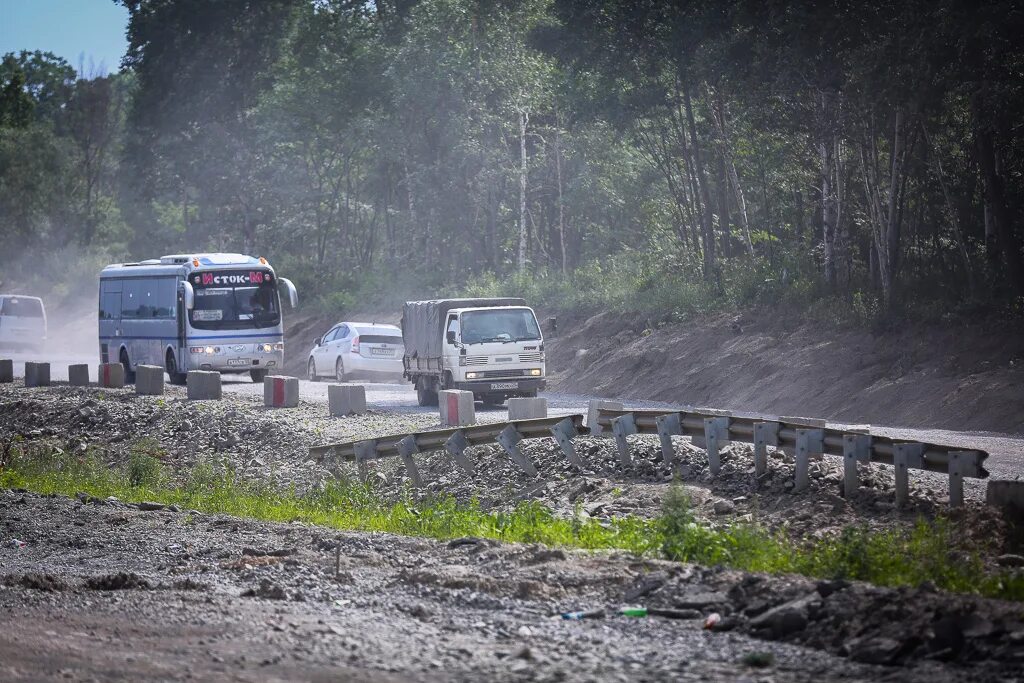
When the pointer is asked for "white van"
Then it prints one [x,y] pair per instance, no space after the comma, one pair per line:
[22,322]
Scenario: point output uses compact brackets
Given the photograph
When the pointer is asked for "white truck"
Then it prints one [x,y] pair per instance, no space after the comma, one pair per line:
[492,347]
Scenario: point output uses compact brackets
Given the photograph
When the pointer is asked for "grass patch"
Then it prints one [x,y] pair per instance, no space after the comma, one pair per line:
[892,558]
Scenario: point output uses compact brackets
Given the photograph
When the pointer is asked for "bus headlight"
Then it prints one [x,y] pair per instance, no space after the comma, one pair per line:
[279,346]
[535,372]
[209,349]
[267,348]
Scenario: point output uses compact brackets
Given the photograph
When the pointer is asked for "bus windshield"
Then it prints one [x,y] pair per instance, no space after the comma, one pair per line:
[235,307]
[499,325]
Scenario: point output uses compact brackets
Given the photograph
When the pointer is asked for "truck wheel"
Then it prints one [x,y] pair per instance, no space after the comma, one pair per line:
[258,375]
[492,400]
[177,378]
[426,395]
[129,376]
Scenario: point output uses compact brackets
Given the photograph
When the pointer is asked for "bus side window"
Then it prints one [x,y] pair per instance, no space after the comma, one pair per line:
[131,299]
[166,299]
[110,301]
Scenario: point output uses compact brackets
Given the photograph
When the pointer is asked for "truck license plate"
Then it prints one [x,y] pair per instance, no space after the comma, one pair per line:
[504,385]
[237,361]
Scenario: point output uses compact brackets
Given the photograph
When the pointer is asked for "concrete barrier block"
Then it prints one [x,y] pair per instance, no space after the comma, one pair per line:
[596,405]
[346,399]
[6,370]
[203,385]
[37,374]
[1005,493]
[280,391]
[456,408]
[78,375]
[110,375]
[149,380]
[527,408]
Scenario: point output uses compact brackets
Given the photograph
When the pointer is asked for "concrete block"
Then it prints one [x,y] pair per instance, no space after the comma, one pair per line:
[596,405]
[1005,493]
[78,375]
[346,399]
[527,408]
[37,374]
[280,391]
[110,375]
[456,408]
[6,370]
[202,385]
[149,380]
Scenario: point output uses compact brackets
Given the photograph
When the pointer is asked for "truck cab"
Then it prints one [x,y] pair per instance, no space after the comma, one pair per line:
[493,348]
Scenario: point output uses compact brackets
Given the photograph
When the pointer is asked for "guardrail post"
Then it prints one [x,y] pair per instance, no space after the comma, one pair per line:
[623,426]
[808,442]
[406,448]
[765,434]
[564,432]
[668,426]
[957,464]
[856,448]
[456,446]
[716,434]
[364,451]
[904,457]
[509,439]
[594,412]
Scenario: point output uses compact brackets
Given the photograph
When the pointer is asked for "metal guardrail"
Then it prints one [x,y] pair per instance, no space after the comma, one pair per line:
[803,439]
[455,440]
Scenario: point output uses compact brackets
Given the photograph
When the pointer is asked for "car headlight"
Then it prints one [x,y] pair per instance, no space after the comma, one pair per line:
[535,372]
[472,375]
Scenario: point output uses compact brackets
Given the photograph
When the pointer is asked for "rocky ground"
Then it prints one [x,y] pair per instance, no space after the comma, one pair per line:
[111,592]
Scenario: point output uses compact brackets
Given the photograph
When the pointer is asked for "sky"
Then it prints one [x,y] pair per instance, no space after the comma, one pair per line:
[86,32]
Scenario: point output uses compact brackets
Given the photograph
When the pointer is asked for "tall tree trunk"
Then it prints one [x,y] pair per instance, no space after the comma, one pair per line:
[524,241]
[561,203]
[724,224]
[829,203]
[702,185]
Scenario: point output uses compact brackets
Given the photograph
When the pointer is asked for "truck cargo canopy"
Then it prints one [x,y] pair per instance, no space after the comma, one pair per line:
[422,322]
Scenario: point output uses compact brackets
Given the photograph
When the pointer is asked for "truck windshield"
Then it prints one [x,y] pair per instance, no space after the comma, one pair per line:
[502,325]
[235,308]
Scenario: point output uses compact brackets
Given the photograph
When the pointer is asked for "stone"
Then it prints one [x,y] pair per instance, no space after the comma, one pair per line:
[37,374]
[527,408]
[724,507]
[787,618]
[78,375]
[1010,560]
[1004,493]
[6,370]
[280,391]
[110,375]
[147,506]
[875,650]
[456,408]
[593,408]
[699,600]
[149,380]
[203,385]
[346,399]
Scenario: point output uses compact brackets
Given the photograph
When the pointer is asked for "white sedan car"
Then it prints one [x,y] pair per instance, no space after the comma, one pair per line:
[350,349]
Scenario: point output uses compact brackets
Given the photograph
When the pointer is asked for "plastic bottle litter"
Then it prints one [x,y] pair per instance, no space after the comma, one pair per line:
[15,543]
[633,611]
[586,614]
[712,620]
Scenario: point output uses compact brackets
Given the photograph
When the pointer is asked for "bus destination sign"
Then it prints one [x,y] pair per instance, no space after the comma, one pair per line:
[230,278]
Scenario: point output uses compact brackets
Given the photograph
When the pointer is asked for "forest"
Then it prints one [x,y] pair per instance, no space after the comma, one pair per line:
[863,159]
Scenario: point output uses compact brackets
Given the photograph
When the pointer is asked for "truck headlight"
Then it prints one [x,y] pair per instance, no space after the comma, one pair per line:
[535,372]
[472,375]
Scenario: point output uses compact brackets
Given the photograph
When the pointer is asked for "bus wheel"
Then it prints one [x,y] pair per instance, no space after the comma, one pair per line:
[258,375]
[129,376]
[172,370]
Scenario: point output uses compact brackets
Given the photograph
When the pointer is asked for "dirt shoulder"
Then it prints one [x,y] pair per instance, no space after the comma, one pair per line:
[108,591]
[925,376]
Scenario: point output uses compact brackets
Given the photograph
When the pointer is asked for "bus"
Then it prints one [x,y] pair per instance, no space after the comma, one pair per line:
[194,312]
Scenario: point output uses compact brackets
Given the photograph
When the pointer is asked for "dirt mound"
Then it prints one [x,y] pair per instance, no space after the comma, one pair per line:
[926,376]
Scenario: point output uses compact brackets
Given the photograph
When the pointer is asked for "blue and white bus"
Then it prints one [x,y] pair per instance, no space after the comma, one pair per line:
[194,312]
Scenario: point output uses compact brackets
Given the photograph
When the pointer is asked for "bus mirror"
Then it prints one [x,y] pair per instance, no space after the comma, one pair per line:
[293,296]
[189,295]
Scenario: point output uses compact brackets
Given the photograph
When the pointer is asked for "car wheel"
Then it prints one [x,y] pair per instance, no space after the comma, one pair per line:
[129,376]
[171,366]
[339,370]
[311,371]
[258,375]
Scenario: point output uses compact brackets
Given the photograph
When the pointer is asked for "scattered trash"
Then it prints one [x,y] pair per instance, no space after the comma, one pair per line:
[587,614]
[633,611]
[712,620]
[342,602]
[758,660]
[15,543]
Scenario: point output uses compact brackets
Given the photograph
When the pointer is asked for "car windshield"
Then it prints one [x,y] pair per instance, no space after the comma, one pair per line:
[501,325]
[235,308]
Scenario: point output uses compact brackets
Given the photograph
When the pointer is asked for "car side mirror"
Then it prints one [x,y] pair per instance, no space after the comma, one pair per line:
[318,341]
[451,336]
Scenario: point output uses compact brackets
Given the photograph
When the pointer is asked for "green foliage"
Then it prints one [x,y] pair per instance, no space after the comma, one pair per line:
[145,467]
